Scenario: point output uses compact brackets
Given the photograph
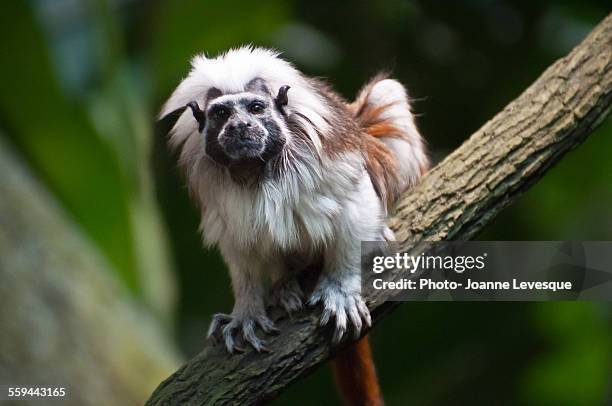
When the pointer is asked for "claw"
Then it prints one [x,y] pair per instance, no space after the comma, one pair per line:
[218,321]
[347,309]
[292,303]
[289,296]
[267,325]
[228,337]
[364,312]
[325,317]
[248,333]
[355,319]
[338,334]
[229,328]
[340,329]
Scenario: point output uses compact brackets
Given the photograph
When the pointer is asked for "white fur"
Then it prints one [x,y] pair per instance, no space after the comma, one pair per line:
[299,211]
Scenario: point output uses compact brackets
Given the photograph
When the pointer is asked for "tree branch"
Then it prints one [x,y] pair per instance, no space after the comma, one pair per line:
[455,201]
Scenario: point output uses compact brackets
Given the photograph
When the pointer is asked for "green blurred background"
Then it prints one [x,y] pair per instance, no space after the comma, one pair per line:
[82,82]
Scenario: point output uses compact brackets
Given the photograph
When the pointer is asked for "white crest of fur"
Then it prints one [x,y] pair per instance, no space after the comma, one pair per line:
[230,72]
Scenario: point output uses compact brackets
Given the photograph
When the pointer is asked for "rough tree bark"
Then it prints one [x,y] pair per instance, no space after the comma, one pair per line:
[455,200]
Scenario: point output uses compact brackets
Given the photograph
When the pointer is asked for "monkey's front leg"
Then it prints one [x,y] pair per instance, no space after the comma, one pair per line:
[249,310]
[339,289]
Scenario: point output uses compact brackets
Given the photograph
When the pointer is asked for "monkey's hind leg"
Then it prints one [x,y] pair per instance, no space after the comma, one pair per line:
[288,295]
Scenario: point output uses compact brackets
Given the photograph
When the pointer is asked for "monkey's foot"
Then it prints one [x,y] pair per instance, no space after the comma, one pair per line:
[232,329]
[289,296]
[344,306]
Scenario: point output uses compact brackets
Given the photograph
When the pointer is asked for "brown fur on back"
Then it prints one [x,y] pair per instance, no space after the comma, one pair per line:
[358,127]
[382,168]
[345,135]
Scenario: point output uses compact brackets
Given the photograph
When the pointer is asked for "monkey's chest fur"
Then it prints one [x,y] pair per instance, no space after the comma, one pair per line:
[300,211]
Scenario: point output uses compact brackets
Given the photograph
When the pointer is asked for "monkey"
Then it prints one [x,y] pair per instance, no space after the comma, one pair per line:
[287,174]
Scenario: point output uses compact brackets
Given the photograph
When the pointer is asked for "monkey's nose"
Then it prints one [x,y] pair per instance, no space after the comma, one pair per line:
[240,125]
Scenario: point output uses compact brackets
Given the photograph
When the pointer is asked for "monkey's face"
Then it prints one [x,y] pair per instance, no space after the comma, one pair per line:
[242,127]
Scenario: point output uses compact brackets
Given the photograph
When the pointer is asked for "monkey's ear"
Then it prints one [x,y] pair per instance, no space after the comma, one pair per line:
[281,99]
[197,114]
[167,122]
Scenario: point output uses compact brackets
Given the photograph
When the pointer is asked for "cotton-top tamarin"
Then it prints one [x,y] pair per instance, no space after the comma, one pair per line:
[286,174]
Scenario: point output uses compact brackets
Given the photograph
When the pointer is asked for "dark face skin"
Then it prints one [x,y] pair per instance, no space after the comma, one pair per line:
[242,128]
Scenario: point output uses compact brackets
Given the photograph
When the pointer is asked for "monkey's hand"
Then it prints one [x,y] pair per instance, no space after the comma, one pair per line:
[238,328]
[343,305]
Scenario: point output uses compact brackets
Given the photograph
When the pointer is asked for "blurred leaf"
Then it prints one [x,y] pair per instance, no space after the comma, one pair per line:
[120,111]
[58,139]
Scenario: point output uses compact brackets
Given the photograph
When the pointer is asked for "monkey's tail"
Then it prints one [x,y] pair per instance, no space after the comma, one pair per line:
[382,109]
[355,375]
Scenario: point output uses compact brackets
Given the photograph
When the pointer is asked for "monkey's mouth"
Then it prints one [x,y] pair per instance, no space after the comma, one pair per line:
[244,146]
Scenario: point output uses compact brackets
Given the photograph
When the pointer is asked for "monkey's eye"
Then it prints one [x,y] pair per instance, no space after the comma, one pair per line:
[256,107]
[221,112]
